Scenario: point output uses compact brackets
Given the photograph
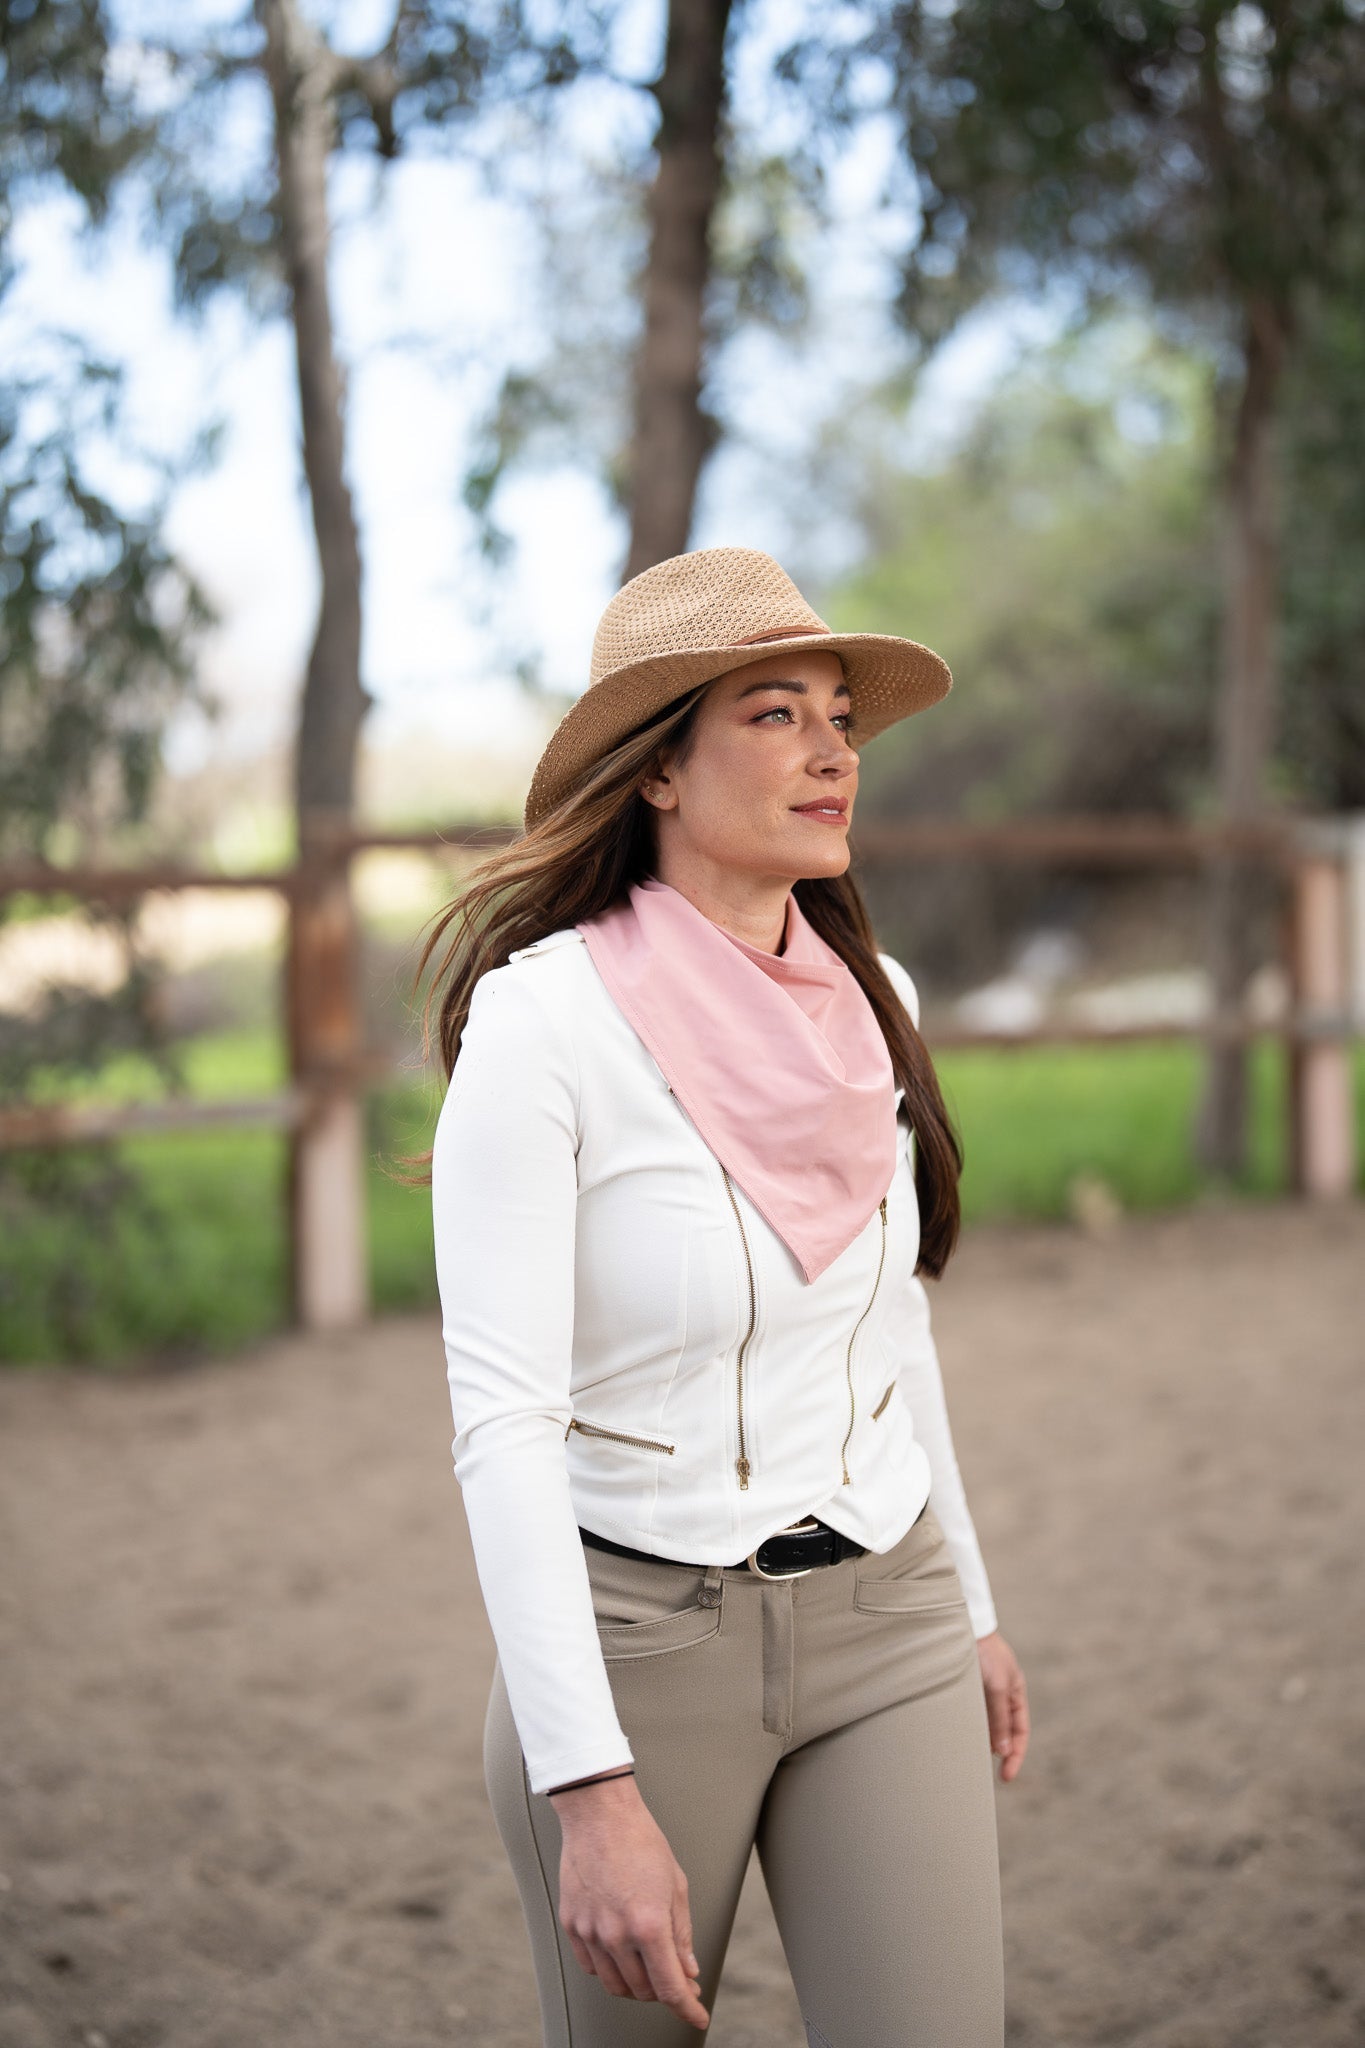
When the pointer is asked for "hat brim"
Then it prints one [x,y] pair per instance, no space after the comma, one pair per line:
[888,678]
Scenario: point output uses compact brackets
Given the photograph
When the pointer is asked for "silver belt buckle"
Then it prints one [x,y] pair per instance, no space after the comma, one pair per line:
[792,1529]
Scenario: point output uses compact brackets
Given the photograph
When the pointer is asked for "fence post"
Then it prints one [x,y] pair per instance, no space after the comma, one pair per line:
[329,1251]
[1322,1105]
[1355,862]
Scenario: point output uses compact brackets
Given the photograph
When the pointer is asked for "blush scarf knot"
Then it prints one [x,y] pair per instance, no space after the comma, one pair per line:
[777,1058]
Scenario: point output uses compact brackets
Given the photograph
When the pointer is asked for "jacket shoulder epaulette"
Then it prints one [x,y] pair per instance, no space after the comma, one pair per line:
[569,935]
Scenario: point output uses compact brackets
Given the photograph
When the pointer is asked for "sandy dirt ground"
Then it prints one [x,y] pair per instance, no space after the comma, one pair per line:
[243,1667]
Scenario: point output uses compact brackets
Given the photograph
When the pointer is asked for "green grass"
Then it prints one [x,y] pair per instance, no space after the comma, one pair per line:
[196,1262]
[1032,1120]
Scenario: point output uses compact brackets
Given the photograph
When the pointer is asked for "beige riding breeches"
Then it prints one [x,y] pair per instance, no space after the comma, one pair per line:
[837,1723]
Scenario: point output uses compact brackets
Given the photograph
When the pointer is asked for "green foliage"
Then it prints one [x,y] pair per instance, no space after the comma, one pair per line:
[63,117]
[99,621]
[1061,560]
[1323,442]
[98,628]
[438,67]
[1063,557]
[1206,154]
[97,618]
[791,105]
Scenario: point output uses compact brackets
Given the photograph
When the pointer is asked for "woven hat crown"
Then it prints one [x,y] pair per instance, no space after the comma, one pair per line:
[712,597]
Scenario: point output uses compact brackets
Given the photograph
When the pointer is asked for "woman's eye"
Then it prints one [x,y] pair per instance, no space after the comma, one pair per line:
[843,719]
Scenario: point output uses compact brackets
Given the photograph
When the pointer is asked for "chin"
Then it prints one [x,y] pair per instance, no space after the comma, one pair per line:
[836,862]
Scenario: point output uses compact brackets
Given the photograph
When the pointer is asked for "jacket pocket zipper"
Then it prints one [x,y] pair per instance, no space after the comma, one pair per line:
[848,1361]
[742,1465]
[618,1436]
[881,1405]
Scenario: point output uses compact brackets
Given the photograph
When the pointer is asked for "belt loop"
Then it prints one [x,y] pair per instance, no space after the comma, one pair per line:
[712,1591]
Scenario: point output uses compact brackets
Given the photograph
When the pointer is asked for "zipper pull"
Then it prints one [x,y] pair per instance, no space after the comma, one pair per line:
[743,1467]
[882,1206]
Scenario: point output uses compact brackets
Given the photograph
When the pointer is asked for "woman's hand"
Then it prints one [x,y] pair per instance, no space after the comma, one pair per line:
[623,1898]
[1006,1702]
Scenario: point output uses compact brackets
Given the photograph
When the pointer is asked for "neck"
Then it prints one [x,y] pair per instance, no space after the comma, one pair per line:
[749,907]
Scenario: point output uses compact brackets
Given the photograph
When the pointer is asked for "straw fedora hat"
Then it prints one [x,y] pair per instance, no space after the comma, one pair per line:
[689,619]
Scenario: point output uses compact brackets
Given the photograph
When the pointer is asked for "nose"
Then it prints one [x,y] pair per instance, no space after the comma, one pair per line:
[835,754]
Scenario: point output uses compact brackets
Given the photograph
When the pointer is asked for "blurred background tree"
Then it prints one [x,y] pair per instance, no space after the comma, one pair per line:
[1323,441]
[99,627]
[1065,552]
[703,221]
[1209,158]
[264,230]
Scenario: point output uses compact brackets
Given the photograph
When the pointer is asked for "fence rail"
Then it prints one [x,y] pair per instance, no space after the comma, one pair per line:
[82,1123]
[1322,863]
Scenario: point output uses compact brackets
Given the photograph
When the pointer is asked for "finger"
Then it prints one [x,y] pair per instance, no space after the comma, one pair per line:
[671,1987]
[604,1967]
[682,1936]
[625,1953]
[581,1951]
[1021,1731]
[1018,1743]
[998,1720]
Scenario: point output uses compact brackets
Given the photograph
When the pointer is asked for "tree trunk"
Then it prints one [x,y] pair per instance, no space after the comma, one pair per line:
[1245,721]
[301,69]
[672,436]
[327,1153]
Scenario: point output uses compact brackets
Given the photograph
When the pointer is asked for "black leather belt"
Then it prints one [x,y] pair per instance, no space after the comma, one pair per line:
[788,1554]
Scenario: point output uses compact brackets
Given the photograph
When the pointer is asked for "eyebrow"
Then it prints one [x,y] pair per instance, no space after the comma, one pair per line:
[777,683]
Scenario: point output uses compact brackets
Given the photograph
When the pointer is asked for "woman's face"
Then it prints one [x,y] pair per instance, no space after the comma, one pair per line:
[768,783]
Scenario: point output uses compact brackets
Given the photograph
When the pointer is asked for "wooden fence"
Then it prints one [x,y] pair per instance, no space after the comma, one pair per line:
[1321,863]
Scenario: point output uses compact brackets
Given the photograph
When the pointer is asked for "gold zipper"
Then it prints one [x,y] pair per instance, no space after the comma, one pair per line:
[848,1361]
[742,1465]
[877,1411]
[618,1436]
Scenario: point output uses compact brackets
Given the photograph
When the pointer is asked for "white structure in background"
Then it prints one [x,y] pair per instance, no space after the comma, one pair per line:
[1017,1003]
[1181,998]
[1034,994]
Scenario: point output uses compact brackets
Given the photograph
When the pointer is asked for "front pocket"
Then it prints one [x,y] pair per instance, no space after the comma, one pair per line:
[619,1436]
[623,1639]
[910,1596]
[877,1411]
[922,1573]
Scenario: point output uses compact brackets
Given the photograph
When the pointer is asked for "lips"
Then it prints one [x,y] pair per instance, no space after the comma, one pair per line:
[824,807]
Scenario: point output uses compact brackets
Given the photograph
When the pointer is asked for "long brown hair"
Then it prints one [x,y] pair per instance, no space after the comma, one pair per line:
[582,858]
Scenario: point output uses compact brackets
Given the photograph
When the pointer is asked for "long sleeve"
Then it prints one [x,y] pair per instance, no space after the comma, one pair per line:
[504,1200]
[921,1387]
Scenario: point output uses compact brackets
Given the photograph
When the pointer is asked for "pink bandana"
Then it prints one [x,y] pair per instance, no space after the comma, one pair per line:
[778,1060]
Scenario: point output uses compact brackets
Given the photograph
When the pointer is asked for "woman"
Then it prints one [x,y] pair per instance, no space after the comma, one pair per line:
[692,1158]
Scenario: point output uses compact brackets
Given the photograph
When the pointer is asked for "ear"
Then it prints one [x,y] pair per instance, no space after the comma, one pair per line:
[657,789]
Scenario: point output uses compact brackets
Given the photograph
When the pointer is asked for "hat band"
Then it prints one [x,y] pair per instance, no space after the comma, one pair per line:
[776,633]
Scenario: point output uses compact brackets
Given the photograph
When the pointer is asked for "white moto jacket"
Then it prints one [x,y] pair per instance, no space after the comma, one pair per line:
[632,1348]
